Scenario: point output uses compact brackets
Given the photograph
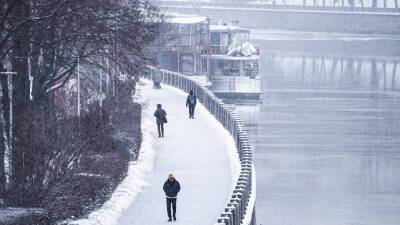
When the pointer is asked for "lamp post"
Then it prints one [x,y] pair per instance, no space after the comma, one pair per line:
[79,89]
[8,151]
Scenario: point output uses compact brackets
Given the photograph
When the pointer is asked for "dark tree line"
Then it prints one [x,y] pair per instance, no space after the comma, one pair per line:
[42,42]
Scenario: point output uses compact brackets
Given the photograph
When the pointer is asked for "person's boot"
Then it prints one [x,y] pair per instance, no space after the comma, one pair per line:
[170,220]
[174,218]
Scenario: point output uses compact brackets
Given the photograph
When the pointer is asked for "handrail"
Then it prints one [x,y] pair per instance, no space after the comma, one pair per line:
[238,206]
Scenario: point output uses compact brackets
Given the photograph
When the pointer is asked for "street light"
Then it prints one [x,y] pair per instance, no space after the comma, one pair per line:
[79,89]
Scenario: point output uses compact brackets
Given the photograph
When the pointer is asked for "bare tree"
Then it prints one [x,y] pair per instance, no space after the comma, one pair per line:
[45,40]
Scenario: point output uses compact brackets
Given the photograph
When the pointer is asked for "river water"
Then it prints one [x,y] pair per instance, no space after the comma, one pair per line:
[327,131]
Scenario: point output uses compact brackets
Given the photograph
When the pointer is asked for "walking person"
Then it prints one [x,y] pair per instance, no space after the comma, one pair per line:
[157,76]
[191,102]
[161,118]
[171,188]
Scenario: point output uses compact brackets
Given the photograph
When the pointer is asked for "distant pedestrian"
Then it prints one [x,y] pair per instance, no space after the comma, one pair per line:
[171,188]
[161,118]
[191,102]
[157,77]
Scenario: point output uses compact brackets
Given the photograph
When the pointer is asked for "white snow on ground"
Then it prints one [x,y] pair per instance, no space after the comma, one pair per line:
[197,153]
[227,139]
[201,154]
[134,182]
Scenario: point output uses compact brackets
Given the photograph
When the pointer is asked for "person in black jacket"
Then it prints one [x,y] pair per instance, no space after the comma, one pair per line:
[171,188]
[191,101]
[161,118]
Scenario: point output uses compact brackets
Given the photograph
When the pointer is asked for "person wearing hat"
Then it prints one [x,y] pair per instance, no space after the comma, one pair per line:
[171,188]
[161,118]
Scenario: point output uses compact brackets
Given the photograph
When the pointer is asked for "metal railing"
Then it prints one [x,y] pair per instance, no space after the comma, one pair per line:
[238,207]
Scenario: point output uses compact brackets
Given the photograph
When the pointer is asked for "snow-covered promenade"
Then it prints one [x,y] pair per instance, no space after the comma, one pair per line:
[198,152]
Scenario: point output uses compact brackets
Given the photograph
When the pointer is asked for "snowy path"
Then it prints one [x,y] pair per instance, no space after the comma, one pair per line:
[197,152]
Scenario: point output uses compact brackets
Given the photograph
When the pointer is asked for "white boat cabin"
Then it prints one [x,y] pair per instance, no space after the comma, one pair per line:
[223,36]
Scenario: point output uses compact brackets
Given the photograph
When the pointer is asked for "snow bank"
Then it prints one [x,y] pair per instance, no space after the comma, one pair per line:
[134,182]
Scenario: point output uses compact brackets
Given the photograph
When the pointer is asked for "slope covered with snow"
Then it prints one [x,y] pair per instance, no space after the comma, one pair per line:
[200,153]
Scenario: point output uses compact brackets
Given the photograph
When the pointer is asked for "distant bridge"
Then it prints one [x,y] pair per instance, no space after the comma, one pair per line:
[372,20]
[386,6]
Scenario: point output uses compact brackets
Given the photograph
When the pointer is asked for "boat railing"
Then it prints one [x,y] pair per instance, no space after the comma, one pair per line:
[240,208]
[218,49]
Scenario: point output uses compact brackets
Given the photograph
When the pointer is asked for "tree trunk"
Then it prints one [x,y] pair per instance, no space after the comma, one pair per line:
[303,68]
[374,75]
[351,3]
[19,101]
[2,166]
[384,74]
[358,71]
[394,75]
[396,4]
[385,4]
[374,3]
[3,179]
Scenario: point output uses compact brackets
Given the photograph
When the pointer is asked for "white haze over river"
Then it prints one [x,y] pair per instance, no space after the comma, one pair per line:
[327,133]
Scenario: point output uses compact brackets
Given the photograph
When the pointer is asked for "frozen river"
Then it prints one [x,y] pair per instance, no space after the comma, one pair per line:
[327,133]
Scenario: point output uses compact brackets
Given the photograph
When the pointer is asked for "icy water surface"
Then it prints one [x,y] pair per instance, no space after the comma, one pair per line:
[327,133]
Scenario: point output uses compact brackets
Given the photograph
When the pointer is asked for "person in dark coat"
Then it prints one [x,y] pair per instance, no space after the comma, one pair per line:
[191,102]
[161,118]
[171,188]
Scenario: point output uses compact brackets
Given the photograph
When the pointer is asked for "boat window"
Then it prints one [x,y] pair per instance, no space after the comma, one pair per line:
[204,65]
[238,37]
[246,36]
[234,68]
[187,63]
[215,38]
[220,64]
[185,32]
[235,38]
[225,39]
